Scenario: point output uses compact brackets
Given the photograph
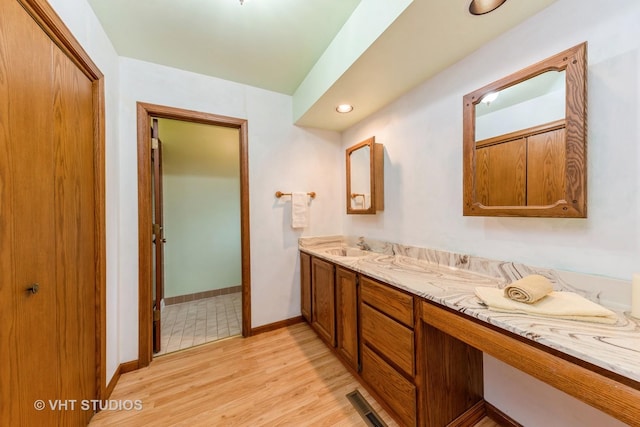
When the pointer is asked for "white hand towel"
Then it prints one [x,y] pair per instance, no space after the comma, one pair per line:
[366,201]
[299,210]
[559,305]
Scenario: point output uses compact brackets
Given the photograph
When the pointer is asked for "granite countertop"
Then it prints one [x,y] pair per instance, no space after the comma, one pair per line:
[449,279]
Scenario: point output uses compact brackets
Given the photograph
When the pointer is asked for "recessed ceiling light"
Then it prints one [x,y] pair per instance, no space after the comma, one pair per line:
[480,7]
[344,108]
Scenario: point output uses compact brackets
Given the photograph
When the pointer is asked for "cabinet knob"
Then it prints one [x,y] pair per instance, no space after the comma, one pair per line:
[34,289]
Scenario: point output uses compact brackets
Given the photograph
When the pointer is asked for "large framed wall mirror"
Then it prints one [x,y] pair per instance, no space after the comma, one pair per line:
[365,177]
[524,141]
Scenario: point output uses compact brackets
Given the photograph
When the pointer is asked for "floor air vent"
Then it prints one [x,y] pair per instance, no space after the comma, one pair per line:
[365,410]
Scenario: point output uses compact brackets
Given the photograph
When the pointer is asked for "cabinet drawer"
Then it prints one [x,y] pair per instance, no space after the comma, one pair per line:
[394,303]
[396,391]
[389,337]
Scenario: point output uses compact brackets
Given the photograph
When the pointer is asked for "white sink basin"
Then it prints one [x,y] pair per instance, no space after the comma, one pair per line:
[347,252]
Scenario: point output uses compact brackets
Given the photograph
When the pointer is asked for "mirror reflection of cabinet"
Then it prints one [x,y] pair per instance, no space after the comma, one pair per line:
[527,169]
[365,177]
[525,141]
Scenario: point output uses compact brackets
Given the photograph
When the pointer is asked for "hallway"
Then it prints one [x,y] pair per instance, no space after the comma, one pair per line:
[192,323]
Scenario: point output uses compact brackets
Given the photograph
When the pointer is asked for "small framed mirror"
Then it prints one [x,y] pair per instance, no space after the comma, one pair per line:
[524,141]
[365,177]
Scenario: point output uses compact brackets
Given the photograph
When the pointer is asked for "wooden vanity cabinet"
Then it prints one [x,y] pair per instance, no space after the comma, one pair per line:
[319,287]
[370,326]
[323,310]
[423,362]
[347,316]
[329,302]
[305,286]
[388,347]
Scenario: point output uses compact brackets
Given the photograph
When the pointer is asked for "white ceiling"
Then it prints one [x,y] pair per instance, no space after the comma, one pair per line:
[271,44]
[274,44]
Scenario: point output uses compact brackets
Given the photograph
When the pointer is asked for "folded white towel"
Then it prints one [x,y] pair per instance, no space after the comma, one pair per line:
[529,289]
[558,305]
[299,210]
[366,201]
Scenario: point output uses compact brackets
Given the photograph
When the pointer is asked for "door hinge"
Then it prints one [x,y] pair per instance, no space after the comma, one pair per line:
[156,228]
[154,143]
[156,315]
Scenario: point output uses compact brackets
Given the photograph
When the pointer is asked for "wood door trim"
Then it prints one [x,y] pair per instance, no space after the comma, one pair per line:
[144,113]
[52,25]
[158,234]
[57,31]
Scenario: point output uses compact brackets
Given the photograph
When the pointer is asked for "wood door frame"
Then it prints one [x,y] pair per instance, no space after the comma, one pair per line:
[158,233]
[51,24]
[144,113]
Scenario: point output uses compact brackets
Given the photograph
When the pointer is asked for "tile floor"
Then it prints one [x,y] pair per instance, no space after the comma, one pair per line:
[197,322]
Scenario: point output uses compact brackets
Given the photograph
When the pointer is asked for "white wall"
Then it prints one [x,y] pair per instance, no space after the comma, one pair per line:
[79,17]
[286,158]
[281,157]
[201,198]
[422,134]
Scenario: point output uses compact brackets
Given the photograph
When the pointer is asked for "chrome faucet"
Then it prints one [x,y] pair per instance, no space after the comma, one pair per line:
[363,245]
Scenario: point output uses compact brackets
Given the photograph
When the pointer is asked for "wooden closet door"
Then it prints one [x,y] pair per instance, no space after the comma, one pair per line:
[47,229]
[73,189]
[28,321]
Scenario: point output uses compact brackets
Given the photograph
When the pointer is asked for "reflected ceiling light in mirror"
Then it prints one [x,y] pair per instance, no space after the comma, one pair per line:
[480,7]
[490,97]
[344,108]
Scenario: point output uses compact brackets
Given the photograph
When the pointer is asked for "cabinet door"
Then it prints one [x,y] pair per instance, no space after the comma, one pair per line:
[546,160]
[347,315]
[305,286]
[323,300]
[501,174]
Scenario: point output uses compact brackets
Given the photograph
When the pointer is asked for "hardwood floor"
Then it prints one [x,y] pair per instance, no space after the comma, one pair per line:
[286,377]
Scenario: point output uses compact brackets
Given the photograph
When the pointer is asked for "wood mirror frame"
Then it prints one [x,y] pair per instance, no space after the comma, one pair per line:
[572,202]
[372,176]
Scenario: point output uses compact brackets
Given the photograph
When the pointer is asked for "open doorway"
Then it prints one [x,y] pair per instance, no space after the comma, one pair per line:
[205,224]
[201,240]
